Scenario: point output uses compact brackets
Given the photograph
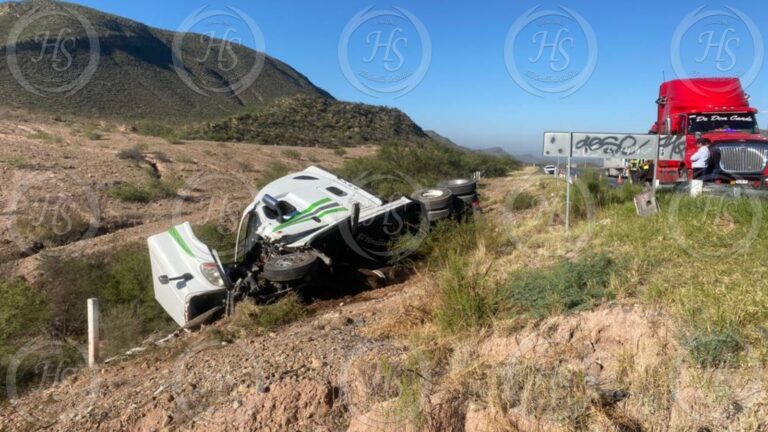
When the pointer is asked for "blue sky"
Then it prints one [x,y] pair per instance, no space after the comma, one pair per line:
[467,93]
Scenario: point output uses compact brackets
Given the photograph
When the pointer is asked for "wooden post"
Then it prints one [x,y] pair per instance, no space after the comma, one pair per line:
[93,332]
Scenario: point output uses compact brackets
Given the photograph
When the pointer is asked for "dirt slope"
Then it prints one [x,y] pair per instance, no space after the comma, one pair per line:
[63,170]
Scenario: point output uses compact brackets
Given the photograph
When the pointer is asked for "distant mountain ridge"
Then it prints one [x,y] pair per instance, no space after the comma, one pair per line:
[135,77]
[492,151]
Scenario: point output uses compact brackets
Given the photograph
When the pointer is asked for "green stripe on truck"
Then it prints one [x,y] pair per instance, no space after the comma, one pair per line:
[180,241]
[297,218]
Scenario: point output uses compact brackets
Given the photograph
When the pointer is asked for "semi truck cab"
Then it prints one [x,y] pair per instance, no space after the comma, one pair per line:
[716,109]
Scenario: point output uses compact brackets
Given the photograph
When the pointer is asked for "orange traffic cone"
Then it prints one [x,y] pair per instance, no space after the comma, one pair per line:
[621,178]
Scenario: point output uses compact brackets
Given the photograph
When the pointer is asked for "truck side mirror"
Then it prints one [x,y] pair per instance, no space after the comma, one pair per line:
[271,203]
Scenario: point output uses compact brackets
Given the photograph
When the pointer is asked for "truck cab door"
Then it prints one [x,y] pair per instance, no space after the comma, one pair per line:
[187,278]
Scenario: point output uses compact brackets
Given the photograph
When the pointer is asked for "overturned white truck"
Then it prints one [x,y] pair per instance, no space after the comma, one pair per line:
[298,229]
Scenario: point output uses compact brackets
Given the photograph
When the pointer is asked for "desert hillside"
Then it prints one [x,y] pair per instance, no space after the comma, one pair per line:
[136,76]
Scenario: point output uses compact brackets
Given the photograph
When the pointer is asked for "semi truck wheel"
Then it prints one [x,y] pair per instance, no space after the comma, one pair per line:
[434,198]
[460,186]
[290,268]
[467,199]
[438,215]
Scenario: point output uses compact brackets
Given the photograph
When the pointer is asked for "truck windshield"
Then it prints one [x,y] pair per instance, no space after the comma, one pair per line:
[722,122]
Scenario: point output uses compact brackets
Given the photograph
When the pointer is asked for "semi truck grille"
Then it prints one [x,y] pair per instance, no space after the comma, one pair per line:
[743,158]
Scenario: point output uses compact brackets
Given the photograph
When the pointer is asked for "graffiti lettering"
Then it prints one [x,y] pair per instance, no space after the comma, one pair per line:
[672,147]
[623,146]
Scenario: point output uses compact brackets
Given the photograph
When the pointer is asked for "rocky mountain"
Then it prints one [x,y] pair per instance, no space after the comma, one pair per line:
[315,122]
[64,58]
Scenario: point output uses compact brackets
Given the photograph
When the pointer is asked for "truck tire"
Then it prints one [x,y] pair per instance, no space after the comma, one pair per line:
[290,268]
[460,186]
[438,215]
[434,198]
[467,199]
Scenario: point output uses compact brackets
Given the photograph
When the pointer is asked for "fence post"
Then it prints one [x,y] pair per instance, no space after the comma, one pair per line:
[93,332]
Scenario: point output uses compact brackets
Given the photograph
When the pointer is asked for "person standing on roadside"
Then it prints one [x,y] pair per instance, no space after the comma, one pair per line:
[700,159]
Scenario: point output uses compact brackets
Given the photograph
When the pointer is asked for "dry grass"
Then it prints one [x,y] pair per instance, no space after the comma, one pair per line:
[690,359]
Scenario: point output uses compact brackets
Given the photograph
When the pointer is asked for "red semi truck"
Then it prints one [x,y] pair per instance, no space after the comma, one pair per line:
[716,109]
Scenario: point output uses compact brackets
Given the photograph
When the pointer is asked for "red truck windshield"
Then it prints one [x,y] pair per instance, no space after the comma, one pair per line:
[722,122]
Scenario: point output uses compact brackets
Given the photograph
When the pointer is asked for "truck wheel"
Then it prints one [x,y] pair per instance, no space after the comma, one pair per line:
[437,215]
[460,186]
[433,199]
[467,199]
[290,268]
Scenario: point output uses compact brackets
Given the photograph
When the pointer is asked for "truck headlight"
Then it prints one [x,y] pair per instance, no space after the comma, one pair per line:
[212,274]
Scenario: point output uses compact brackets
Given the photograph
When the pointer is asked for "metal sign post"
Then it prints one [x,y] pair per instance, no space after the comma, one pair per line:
[603,146]
[568,195]
[655,169]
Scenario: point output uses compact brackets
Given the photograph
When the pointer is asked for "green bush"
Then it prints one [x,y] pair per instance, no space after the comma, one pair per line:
[592,192]
[155,190]
[162,157]
[24,312]
[450,237]
[340,152]
[397,168]
[19,162]
[250,317]
[134,154]
[185,159]
[715,349]
[520,201]
[218,237]
[152,128]
[93,135]
[46,137]
[122,281]
[466,298]
[68,282]
[285,311]
[564,287]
